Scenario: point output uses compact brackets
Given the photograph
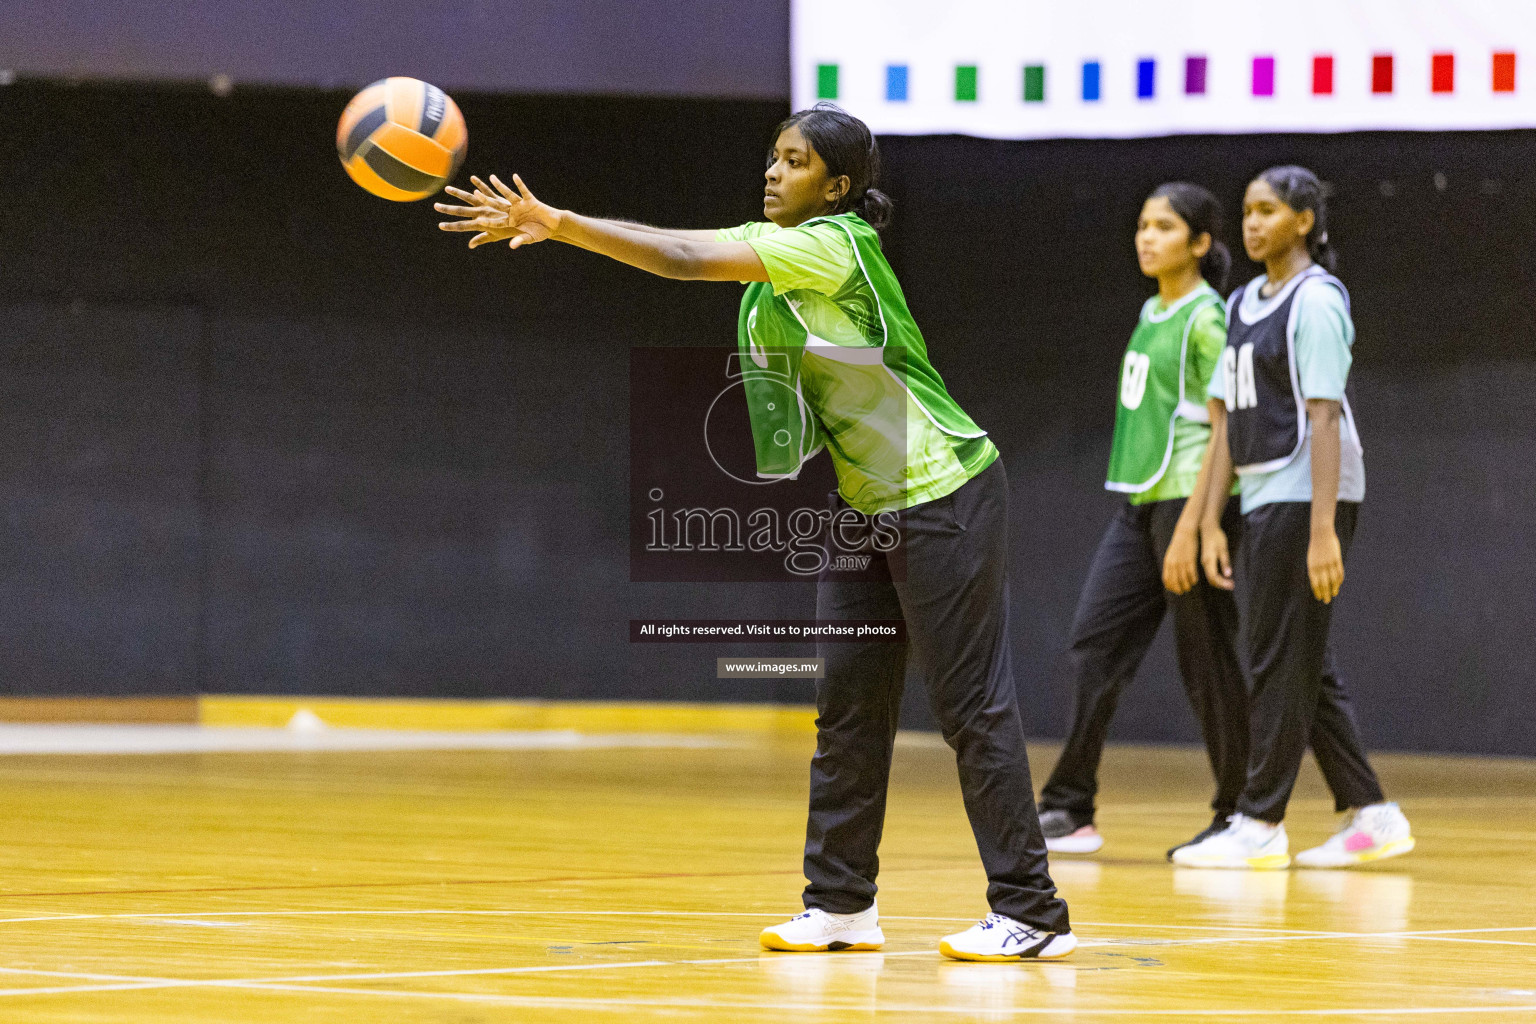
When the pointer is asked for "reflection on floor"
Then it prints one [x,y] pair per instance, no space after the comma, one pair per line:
[566,878]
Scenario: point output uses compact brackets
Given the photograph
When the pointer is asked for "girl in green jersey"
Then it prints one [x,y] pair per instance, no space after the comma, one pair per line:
[1146,563]
[822,299]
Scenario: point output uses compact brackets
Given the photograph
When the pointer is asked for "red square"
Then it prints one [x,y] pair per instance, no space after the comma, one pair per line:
[1504,72]
[1442,72]
[1381,73]
[1322,75]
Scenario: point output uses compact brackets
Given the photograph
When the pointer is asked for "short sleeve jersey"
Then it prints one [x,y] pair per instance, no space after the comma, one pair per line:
[1325,337]
[887,453]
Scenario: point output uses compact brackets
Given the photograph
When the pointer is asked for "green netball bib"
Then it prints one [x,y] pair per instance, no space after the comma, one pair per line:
[1153,391]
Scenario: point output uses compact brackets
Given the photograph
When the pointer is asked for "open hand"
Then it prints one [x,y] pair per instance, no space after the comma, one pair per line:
[499,214]
[1215,558]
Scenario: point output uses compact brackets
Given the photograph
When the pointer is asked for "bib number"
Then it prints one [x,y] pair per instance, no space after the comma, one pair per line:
[1237,366]
[1133,379]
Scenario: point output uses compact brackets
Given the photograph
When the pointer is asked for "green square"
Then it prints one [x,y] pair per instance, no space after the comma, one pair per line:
[1034,83]
[965,83]
[826,81]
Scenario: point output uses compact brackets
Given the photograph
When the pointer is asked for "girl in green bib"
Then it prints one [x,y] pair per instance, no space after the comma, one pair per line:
[823,304]
[1147,562]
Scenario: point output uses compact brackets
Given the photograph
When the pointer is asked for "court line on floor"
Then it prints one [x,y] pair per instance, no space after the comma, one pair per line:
[1087,943]
[970,1011]
[1265,931]
[1461,931]
[123,982]
[535,912]
[1460,938]
[402,884]
[1449,935]
[456,972]
[71,974]
[306,984]
[469,972]
[973,1011]
[119,982]
[620,1004]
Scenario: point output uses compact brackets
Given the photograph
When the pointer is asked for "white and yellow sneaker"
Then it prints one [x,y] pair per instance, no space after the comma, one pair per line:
[996,937]
[1373,833]
[1246,843]
[817,931]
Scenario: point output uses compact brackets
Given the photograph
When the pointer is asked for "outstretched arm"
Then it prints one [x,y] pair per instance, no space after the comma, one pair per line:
[497,213]
[682,259]
[686,234]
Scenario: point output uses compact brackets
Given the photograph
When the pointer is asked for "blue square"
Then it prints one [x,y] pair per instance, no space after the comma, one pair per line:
[1090,81]
[1146,79]
[896,83]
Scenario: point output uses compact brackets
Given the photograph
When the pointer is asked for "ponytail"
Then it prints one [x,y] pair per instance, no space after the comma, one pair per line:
[1301,190]
[1201,211]
[847,147]
[875,207]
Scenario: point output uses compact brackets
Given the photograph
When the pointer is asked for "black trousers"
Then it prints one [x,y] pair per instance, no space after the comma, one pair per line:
[1297,698]
[1118,614]
[952,591]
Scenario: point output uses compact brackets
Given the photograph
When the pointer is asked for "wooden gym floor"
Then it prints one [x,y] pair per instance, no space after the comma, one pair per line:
[593,883]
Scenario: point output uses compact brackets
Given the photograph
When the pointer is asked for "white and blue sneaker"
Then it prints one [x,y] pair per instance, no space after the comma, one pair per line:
[996,937]
[1246,843]
[817,931]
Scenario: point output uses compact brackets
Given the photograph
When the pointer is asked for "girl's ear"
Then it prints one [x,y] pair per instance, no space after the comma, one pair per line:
[1305,220]
[837,188]
[1200,246]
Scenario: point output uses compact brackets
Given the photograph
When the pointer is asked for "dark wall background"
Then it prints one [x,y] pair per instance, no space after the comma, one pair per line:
[738,49]
[266,433]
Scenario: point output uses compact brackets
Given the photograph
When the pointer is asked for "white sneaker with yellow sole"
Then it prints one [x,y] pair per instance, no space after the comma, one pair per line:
[996,937]
[1246,843]
[817,931]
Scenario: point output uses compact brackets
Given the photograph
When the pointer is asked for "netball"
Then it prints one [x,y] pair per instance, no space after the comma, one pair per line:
[401,139]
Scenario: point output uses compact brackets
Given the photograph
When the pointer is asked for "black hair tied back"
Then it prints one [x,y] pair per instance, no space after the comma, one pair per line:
[1301,190]
[1202,212]
[846,146]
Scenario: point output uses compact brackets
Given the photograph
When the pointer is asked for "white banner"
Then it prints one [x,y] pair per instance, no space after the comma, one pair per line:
[1120,68]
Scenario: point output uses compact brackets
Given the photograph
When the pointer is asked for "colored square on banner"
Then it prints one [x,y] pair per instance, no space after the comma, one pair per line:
[826,81]
[1442,73]
[1194,76]
[896,83]
[1263,76]
[1091,91]
[1146,79]
[1504,72]
[1322,75]
[965,83]
[1381,74]
[1034,83]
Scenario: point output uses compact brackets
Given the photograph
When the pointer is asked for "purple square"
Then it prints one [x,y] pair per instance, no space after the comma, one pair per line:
[1263,76]
[1194,76]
